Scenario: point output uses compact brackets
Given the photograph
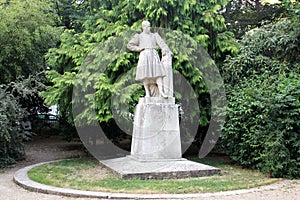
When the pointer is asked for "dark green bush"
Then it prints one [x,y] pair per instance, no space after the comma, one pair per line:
[12,134]
[272,49]
[20,102]
[263,125]
[263,91]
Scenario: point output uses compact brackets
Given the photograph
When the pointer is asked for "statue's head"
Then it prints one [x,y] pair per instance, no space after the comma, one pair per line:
[146,26]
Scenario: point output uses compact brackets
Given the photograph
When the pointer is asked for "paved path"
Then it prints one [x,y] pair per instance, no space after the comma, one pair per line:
[53,148]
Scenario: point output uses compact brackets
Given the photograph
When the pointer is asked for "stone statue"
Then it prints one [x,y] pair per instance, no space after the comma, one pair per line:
[156,132]
[150,70]
[156,142]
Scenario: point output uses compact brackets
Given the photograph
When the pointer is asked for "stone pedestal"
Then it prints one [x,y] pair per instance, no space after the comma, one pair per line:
[156,133]
[156,146]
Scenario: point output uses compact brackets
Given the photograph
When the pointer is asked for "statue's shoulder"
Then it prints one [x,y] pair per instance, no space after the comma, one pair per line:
[156,35]
[137,35]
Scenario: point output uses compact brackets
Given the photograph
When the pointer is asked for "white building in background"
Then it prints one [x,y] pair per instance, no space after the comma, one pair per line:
[53,110]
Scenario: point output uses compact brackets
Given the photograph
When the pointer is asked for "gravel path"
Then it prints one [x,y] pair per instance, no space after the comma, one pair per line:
[52,148]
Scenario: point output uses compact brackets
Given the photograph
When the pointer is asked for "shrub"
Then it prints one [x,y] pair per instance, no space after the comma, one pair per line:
[12,134]
[272,49]
[263,90]
[262,129]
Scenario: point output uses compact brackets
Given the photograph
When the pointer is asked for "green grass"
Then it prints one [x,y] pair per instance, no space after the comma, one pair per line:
[88,175]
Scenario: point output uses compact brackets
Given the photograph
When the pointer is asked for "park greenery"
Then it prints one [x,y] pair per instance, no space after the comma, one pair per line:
[85,174]
[48,47]
[11,135]
[27,32]
[262,128]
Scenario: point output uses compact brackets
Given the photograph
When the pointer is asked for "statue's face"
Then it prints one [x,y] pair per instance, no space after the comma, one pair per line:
[146,28]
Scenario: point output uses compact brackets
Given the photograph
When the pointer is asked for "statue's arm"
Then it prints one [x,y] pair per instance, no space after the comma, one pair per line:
[133,44]
[161,43]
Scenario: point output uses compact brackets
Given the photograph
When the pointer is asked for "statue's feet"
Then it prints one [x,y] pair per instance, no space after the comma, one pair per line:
[163,95]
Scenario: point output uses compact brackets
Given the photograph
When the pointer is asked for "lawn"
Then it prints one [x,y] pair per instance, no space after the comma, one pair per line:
[87,174]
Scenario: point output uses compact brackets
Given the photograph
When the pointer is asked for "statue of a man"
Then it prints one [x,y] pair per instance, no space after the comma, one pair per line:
[150,69]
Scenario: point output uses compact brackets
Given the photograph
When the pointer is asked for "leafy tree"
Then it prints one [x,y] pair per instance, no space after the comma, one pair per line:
[27,33]
[262,129]
[26,93]
[271,49]
[199,22]
[242,16]
[70,14]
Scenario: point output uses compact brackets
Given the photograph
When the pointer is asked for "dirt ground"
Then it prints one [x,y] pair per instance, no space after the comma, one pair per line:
[43,149]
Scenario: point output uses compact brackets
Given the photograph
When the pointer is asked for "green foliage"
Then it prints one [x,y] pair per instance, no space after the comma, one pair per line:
[26,92]
[293,10]
[61,98]
[263,85]
[272,49]
[20,102]
[12,135]
[26,35]
[242,16]
[70,14]
[262,130]
[80,50]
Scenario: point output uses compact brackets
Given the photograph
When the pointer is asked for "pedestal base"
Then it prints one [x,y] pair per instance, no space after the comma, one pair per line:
[128,168]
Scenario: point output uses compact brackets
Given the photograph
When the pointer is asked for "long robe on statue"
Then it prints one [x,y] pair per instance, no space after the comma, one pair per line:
[149,64]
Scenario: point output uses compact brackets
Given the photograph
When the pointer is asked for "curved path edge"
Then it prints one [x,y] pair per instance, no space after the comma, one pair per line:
[21,178]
